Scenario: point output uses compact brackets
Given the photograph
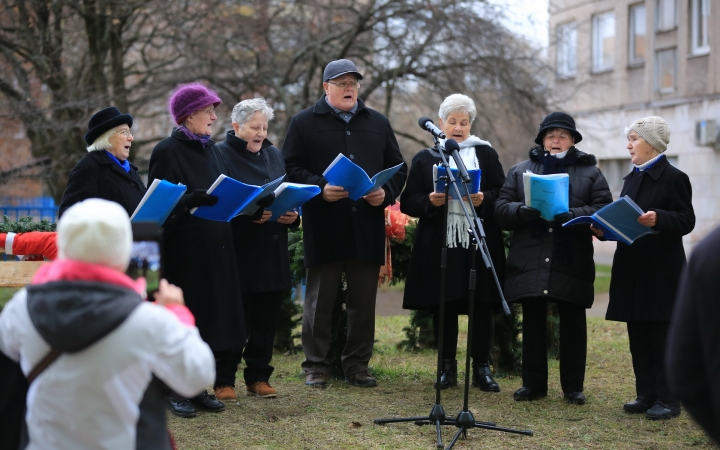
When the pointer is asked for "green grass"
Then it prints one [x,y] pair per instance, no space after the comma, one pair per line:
[602,278]
[342,417]
[6,294]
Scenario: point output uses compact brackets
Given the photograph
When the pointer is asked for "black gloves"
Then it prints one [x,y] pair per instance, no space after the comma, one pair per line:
[564,217]
[528,214]
[267,201]
[199,197]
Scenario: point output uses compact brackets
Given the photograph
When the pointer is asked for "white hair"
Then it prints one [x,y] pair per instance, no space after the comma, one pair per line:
[457,103]
[102,142]
[95,231]
[243,111]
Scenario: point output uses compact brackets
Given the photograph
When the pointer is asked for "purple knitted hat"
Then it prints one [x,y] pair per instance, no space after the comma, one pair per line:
[189,98]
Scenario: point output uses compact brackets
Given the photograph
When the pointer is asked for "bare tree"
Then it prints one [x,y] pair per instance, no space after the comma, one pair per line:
[62,60]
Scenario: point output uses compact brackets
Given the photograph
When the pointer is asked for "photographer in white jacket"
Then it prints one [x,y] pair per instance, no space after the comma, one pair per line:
[118,353]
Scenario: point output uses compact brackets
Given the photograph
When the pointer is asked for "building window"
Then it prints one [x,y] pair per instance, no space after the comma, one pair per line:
[665,70]
[614,171]
[603,38]
[666,17]
[637,34]
[567,50]
[700,15]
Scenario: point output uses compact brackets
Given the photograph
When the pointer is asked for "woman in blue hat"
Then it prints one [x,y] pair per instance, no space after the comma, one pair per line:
[105,171]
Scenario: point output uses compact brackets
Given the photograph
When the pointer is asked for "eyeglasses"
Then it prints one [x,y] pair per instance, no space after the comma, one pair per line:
[126,133]
[346,84]
[209,111]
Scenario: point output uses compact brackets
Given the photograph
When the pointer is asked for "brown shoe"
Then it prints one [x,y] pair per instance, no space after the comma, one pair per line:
[225,393]
[361,379]
[318,380]
[261,389]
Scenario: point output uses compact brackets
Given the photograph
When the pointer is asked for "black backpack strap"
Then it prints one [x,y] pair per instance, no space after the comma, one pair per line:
[43,364]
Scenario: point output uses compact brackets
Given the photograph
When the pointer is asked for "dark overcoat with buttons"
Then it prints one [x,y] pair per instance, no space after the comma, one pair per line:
[261,248]
[98,176]
[344,229]
[198,254]
[422,287]
[645,275]
[545,259]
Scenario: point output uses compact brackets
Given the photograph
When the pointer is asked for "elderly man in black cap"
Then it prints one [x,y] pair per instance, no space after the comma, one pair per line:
[342,235]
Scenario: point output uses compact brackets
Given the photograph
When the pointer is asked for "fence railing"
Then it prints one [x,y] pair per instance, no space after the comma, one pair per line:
[36,207]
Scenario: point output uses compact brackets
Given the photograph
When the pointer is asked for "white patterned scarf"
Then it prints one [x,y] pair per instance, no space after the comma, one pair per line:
[457,224]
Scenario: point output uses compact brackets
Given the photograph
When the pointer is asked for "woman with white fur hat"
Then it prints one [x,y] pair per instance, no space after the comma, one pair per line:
[645,275]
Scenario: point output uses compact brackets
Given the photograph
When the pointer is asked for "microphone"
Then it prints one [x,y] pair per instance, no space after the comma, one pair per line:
[428,125]
[452,147]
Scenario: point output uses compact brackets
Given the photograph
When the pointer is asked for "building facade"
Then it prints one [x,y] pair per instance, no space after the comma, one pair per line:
[616,61]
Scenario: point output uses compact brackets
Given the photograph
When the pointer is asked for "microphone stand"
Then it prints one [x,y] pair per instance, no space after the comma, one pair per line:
[465,418]
[437,413]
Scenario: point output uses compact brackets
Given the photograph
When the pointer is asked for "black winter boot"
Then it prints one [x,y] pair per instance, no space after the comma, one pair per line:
[448,375]
[483,379]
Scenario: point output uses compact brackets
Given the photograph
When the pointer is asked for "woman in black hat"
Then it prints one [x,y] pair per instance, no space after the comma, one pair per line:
[549,263]
[105,171]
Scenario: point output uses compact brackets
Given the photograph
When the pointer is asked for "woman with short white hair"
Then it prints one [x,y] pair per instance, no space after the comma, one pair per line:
[422,287]
[105,171]
[261,245]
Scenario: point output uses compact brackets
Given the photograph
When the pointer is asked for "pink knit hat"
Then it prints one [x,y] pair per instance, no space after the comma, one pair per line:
[189,98]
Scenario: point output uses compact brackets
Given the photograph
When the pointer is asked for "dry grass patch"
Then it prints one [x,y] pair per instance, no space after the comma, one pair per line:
[342,417]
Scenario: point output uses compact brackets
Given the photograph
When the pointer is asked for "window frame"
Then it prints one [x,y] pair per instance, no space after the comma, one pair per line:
[566,64]
[699,8]
[596,43]
[659,10]
[658,73]
[632,59]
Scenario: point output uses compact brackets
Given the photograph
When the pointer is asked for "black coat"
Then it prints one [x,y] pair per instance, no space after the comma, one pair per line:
[422,287]
[344,229]
[693,346]
[545,259]
[199,254]
[98,176]
[645,274]
[261,249]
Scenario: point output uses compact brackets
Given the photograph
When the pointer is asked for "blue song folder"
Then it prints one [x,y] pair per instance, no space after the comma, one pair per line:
[618,221]
[290,196]
[548,193]
[345,173]
[440,171]
[234,198]
[158,202]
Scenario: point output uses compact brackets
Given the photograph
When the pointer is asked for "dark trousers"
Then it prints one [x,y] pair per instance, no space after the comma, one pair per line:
[647,347]
[262,310]
[573,345]
[483,330]
[320,295]
[226,364]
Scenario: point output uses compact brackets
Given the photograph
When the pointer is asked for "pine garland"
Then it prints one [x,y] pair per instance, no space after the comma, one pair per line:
[25,225]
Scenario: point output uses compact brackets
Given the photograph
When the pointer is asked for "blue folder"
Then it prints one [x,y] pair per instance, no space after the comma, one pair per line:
[441,171]
[345,173]
[234,198]
[158,202]
[618,221]
[548,193]
[290,196]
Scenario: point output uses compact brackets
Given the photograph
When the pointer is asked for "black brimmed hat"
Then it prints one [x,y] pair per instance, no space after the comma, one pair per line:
[557,120]
[104,120]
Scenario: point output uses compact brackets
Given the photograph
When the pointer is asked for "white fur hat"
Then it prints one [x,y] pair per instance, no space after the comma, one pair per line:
[95,231]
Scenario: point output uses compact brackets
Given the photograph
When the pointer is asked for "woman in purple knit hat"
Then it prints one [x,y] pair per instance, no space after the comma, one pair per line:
[198,254]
